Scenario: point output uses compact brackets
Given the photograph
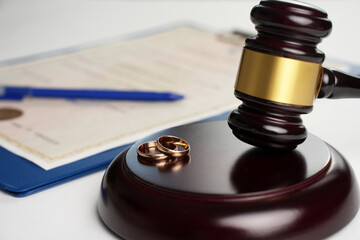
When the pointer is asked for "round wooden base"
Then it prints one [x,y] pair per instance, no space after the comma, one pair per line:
[228,189]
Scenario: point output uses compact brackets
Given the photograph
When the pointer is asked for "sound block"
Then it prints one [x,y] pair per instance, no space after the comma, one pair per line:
[228,189]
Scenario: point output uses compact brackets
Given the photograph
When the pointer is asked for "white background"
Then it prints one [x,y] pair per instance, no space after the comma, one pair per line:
[69,211]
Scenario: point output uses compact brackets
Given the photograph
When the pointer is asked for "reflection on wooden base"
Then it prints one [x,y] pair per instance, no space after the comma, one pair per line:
[229,190]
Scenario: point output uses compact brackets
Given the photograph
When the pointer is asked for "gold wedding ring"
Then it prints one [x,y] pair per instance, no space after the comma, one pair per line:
[164,149]
[150,150]
[164,141]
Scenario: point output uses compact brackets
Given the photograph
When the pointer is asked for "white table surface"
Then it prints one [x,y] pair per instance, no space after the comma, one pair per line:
[69,211]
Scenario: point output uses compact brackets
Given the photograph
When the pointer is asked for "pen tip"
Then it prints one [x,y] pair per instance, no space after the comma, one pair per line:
[175,96]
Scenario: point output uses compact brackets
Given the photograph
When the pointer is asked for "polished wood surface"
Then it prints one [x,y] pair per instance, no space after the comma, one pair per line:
[228,189]
[268,124]
[289,29]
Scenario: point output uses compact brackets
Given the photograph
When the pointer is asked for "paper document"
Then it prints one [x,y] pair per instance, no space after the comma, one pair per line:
[54,132]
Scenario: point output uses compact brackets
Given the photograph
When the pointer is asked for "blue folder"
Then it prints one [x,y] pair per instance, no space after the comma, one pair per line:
[20,177]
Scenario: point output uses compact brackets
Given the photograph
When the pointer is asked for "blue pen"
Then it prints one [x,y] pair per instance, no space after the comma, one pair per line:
[18,93]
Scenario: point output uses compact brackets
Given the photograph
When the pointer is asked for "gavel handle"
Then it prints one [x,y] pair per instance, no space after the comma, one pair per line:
[336,84]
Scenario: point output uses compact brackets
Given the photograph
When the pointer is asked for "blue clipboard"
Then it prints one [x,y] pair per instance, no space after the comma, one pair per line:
[20,177]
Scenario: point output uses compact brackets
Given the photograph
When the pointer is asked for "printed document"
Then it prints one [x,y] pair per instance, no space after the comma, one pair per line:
[53,132]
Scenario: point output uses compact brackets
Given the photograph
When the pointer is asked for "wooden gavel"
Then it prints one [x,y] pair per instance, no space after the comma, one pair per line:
[280,75]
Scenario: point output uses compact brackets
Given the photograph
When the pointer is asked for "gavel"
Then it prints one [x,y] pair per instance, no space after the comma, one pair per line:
[226,189]
[281,74]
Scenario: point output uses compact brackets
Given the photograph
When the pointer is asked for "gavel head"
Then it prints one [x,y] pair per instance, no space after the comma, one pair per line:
[280,73]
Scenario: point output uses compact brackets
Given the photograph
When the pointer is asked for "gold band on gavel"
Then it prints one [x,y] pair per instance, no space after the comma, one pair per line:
[278,79]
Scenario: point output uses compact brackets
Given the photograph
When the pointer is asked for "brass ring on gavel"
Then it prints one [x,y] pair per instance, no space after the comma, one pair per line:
[164,141]
[150,150]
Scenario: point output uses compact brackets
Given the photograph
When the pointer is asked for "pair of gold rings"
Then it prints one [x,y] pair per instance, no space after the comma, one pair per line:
[164,148]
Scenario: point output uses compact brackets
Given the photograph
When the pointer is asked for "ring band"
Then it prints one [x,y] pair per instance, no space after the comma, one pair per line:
[164,141]
[150,150]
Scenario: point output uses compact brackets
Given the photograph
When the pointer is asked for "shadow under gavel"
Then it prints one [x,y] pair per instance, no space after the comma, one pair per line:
[280,75]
